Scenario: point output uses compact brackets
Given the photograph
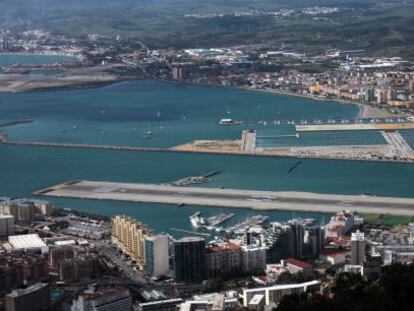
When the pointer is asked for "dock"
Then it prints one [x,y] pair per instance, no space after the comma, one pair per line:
[233,198]
[190,232]
[354,127]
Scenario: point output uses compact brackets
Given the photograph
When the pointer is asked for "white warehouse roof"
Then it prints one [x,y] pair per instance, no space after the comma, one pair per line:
[27,242]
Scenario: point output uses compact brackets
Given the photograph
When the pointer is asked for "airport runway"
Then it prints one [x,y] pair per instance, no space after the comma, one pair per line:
[259,200]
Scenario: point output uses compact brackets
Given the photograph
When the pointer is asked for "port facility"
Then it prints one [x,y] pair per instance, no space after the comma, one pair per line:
[252,199]
[353,127]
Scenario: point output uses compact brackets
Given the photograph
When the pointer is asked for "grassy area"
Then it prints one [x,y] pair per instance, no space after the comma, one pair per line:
[389,220]
[382,29]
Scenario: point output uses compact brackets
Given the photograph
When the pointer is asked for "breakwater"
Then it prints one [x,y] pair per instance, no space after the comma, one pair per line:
[279,154]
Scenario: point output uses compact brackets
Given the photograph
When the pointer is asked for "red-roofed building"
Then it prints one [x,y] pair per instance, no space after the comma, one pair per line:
[294,266]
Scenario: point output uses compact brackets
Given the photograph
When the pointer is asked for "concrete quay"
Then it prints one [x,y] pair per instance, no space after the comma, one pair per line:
[258,200]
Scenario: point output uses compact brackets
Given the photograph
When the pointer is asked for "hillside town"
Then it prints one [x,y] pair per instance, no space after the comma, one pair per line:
[352,76]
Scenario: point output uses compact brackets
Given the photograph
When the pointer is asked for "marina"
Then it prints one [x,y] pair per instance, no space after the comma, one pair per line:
[216,223]
[328,124]
[210,223]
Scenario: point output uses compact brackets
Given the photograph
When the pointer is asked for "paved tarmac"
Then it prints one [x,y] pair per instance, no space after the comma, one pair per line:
[259,200]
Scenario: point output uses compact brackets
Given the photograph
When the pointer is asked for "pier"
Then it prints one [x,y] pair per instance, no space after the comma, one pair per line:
[190,232]
[251,199]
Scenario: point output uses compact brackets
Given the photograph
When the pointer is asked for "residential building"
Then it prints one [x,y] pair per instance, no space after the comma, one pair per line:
[20,209]
[334,257]
[293,266]
[42,208]
[224,260]
[307,239]
[58,254]
[357,248]
[129,234]
[107,299]
[77,269]
[33,298]
[156,255]
[6,225]
[253,258]
[160,305]
[339,225]
[357,269]
[190,259]
[11,276]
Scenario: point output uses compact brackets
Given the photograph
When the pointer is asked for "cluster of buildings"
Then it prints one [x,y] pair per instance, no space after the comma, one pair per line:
[313,11]
[25,209]
[193,259]
[257,266]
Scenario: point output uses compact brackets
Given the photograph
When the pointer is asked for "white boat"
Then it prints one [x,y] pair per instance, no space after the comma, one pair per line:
[196,220]
[228,122]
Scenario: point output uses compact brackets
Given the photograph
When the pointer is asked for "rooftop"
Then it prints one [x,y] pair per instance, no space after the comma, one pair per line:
[282,286]
[26,241]
[28,290]
[298,263]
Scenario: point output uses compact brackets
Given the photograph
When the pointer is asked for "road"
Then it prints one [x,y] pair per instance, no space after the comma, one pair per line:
[260,200]
[113,254]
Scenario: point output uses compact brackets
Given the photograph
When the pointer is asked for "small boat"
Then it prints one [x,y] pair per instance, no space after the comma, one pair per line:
[228,122]
[184,117]
[148,134]
[158,114]
[75,127]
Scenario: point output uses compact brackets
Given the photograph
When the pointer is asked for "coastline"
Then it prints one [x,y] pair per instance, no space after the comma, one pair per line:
[365,111]
[23,84]
[38,54]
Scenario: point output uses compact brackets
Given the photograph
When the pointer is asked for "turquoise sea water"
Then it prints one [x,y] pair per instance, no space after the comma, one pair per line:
[123,113]
[24,169]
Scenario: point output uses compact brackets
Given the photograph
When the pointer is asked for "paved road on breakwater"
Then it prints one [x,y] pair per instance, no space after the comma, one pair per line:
[259,200]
